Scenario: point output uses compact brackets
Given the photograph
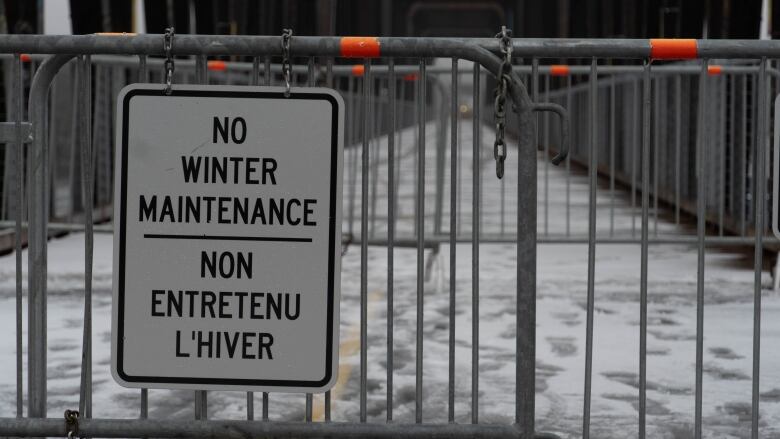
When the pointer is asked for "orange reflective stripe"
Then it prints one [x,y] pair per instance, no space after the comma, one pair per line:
[359,47]
[410,77]
[25,57]
[559,70]
[216,65]
[662,48]
[358,70]
[714,70]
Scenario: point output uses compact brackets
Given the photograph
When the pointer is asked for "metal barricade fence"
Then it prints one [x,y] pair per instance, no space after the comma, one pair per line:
[619,114]
[675,129]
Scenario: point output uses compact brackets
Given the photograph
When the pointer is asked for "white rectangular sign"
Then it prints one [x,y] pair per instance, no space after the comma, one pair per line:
[228,236]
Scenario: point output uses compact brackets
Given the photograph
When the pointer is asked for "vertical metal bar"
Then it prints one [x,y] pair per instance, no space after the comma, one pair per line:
[255,78]
[592,176]
[374,136]
[328,83]
[311,83]
[460,171]
[353,156]
[36,309]
[440,102]
[327,406]
[568,161]
[758,257]
[416,117]
[201,405]
[743,216]
[502,203]
[732,145]
[250,406]
[722,152]
[420,219]
[453,232]
[390,231]
[85,393]
[701,200]
[144,404]
[310,78]
[535,98]
[38,174]
[634,146]
[18,213]
[265,406]
[677,145]
[403,89]
[545,163]
[329,72]
[475,194]
[364,239]
[143,71]
[612,157]
[267,74]
[525,310]
[201,70]
[647,105]
[201,397]
[656,151]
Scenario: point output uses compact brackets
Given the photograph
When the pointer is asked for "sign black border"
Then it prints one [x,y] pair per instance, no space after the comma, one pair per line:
[331,245]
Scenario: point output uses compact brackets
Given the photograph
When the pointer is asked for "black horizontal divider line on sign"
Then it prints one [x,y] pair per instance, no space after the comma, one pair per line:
[226,237]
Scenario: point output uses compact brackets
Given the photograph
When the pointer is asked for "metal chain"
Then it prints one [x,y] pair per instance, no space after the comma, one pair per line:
[72,423]
[169,67]
[499,106]
[286,66]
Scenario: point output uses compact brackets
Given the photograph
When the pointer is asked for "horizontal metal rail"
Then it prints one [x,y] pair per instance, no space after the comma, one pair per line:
[149,44]
[137,428]
[410,70]
[485,238]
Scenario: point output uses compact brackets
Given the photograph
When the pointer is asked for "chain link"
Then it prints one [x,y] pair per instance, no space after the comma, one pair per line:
[286,66]
[72,423]
[499,105]
[169,67]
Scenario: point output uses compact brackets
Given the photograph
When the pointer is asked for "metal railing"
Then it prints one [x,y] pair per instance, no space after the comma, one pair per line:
[642,149]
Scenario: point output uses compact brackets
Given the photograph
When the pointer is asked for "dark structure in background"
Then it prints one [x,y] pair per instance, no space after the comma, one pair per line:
[528,18]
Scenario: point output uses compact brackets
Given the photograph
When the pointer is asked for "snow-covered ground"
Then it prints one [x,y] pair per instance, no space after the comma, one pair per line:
[562,280]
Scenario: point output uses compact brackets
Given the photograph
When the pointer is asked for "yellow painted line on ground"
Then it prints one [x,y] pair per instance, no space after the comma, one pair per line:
[348,347]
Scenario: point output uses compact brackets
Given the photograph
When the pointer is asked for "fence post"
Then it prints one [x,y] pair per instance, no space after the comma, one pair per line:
[38,174]
[525,374]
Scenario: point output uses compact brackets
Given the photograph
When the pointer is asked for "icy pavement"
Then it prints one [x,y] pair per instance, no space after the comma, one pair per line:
[562,280]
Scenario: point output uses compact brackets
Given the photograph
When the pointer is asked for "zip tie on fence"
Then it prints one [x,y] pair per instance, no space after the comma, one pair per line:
[673,48]
[169,67]
[217,65]
[559,70]
[499,106]
[358,70]
[359,47]
[714,70]
[72,423]
[286,66]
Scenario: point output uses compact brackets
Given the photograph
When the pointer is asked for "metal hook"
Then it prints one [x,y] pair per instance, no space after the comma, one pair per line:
[564,115]
[169,67]
[286,66]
